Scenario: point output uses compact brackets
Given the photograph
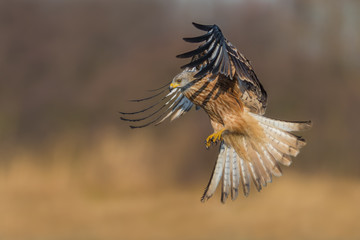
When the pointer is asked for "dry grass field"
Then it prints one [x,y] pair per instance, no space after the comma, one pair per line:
[106,197]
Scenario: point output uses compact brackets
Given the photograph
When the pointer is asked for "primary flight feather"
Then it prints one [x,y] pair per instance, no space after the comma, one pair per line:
[220,80]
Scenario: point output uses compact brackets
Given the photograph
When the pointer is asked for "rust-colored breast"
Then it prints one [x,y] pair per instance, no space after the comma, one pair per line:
[218,97]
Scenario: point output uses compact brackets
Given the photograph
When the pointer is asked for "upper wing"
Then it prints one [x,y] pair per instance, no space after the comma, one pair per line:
[218,56]
[172,104]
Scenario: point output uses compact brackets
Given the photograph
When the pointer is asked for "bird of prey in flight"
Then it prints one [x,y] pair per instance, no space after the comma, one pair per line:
[221,81]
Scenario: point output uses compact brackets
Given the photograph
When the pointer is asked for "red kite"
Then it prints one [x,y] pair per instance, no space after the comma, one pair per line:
[220,80]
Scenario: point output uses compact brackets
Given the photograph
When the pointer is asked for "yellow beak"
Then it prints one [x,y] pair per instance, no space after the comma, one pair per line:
[174,85]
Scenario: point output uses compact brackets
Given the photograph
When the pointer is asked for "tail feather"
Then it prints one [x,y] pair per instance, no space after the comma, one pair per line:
[271,163]
[283,147]
[226,178]
[255,176]
[216,175]
[283,136]
[260,170]
[254,170]
[283,125]
[266,170]
[280,157]
[245,177]
[246,157]
[235,173]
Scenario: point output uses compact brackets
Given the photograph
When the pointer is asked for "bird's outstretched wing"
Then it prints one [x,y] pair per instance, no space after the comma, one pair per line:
[218,56]
[171,104]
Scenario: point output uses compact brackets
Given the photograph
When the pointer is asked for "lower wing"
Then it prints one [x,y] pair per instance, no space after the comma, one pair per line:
[169,104]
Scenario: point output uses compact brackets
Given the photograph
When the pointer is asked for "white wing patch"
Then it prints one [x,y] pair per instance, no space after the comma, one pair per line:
[174,104]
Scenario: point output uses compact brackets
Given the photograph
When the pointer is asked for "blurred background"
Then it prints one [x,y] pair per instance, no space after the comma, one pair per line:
[70,169]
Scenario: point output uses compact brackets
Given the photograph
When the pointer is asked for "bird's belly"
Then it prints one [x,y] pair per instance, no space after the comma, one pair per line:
[224,110]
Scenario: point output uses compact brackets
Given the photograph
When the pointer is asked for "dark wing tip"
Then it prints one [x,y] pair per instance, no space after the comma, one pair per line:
[202,26]
[147,98]
[307,125]
[204,198]
[210,57]
[182,56]
[198,39]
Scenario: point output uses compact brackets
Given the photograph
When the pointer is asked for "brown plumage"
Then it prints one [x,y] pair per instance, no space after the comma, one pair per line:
[221,81]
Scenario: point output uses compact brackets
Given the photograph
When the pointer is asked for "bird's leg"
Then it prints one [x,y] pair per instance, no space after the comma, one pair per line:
[213,138]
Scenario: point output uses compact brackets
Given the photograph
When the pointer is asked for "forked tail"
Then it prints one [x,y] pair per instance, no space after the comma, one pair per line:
[245,157]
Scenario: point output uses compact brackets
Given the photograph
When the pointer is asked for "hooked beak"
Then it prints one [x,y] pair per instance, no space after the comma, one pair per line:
[173,85]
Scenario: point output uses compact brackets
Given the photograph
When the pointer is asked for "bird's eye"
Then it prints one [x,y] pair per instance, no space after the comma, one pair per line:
[178,80]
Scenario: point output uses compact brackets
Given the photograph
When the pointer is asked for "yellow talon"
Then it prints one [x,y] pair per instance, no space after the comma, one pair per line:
[214,138]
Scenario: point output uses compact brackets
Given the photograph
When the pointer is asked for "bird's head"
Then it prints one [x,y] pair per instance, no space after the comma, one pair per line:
[182,79]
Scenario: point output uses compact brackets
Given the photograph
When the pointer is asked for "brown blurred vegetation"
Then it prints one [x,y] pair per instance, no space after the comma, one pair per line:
[71,170]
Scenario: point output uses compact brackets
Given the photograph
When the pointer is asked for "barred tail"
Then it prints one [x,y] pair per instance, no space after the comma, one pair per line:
[244,157]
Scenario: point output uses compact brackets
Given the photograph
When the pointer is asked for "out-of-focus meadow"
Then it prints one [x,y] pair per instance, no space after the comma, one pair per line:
[70,169]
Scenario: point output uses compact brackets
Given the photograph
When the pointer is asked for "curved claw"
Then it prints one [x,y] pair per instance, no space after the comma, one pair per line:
[213,138]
